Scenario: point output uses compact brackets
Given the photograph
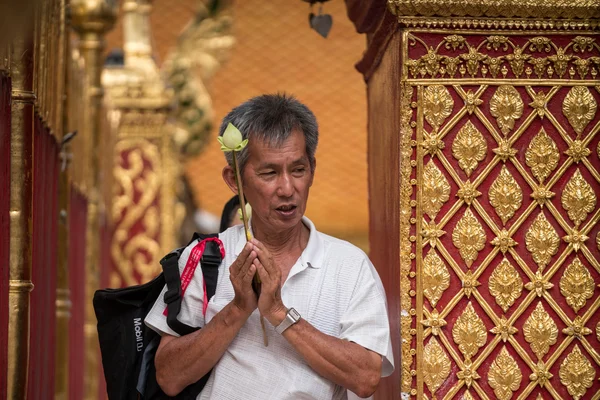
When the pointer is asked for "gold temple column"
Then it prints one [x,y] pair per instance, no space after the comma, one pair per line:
[63,294]
[91,20]
[21,227]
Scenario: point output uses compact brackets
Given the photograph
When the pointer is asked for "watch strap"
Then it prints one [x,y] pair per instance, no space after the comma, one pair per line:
[291,317]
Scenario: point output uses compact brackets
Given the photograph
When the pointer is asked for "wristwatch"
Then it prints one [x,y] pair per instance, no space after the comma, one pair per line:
[291,318]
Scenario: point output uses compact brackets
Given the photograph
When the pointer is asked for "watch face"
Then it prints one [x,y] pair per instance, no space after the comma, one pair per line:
[294,314]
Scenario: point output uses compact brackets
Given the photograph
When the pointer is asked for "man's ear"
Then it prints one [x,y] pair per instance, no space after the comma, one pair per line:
[314,168]
[229,178]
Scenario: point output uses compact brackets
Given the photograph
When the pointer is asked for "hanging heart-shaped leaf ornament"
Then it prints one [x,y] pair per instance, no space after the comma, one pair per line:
[321,23]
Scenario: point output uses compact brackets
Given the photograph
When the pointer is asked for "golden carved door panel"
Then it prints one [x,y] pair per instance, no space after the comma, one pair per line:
[500,206]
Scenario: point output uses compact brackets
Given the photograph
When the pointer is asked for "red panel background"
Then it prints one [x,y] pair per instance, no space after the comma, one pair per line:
[43,297]
[5,90]
[77,228]
[554,107]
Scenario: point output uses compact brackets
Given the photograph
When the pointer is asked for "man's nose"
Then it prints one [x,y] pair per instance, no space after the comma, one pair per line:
[285,187]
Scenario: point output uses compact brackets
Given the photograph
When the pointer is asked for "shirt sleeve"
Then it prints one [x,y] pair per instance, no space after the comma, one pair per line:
[366,322]
[191,304]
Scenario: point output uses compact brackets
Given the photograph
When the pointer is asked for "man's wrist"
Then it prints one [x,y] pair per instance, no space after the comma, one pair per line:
[277,316]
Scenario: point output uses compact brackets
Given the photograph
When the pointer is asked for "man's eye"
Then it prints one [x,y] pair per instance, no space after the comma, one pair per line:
[267,173]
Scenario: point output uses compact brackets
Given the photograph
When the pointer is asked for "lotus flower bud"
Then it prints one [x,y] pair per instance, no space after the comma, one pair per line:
[248,212]
[232,139]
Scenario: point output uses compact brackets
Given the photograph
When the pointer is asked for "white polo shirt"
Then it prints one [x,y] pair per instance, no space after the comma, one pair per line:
[333,286]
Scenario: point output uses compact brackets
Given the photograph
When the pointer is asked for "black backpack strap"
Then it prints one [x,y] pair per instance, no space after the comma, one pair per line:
[173,294]
[209,263]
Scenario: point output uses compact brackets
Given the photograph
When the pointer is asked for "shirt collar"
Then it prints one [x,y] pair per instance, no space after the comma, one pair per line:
[312,254]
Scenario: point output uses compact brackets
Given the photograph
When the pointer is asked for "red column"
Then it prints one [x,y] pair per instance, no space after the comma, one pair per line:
[5,89]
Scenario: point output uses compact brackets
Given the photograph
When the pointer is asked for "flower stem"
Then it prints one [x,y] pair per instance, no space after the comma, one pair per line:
[255,280]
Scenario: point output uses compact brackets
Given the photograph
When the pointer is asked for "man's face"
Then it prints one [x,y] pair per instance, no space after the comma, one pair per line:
[276,182]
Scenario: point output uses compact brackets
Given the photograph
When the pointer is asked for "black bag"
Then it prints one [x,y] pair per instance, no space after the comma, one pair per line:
[127,346]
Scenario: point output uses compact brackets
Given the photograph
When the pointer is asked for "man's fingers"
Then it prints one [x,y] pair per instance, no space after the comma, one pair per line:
[237,265]
[247,264]
[262,272]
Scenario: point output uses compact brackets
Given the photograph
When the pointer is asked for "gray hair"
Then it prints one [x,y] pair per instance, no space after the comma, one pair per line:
[272,118]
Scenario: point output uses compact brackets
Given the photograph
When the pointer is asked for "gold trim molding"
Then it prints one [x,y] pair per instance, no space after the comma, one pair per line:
[561,9]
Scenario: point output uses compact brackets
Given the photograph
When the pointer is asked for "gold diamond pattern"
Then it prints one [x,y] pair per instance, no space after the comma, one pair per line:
[469,332]
[436,277]
[577,284]
[506,196]
[436,190]
[542,240]
[504,375]
[578,198]
[436,365]
[579,107]
[468,237]
[540,331]
[505,284]
[469,148]
[577,373]
[542,155]
[537,195]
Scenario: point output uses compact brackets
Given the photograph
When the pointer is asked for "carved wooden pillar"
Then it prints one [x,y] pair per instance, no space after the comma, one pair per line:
[484,183]
[21,228]
[143,170]
[91,20]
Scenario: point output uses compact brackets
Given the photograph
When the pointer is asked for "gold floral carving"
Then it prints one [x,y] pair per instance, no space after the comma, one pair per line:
[437,105]
[430,232]
[540,374]
[435,322]
[469,332]
[598,331]
[540,331]
[576,239]
[506,106]
[539,104]
[576,373]
[577,328]
[542,240]
[436,190]
[577,284]
[542,155]
[578,150]
[469,147]
[542,195]
[436,365]
[578,198]
[505,284]
[474,62]
[503,241]
[579,107]
[469,283]
[505,195]
[540,284]
[436,277]
[472,102]
[468,374]
[467,192]
[504,375]
[135,174]
[504,329]
[468,237]
[504,151]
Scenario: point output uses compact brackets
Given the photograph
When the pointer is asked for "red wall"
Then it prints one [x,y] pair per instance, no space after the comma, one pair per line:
[43,297]
[5,89]
[77,224]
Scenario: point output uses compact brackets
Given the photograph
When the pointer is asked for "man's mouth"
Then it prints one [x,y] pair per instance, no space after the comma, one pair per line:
[286,208]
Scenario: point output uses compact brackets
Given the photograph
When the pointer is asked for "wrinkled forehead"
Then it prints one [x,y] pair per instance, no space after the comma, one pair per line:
[260,146]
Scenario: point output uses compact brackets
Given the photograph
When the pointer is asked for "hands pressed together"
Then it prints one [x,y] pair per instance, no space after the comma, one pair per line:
[255,258]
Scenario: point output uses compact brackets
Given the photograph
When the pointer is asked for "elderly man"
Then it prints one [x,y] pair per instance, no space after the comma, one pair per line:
[327,327]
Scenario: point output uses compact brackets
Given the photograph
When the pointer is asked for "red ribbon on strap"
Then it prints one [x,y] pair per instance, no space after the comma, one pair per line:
[192,264]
